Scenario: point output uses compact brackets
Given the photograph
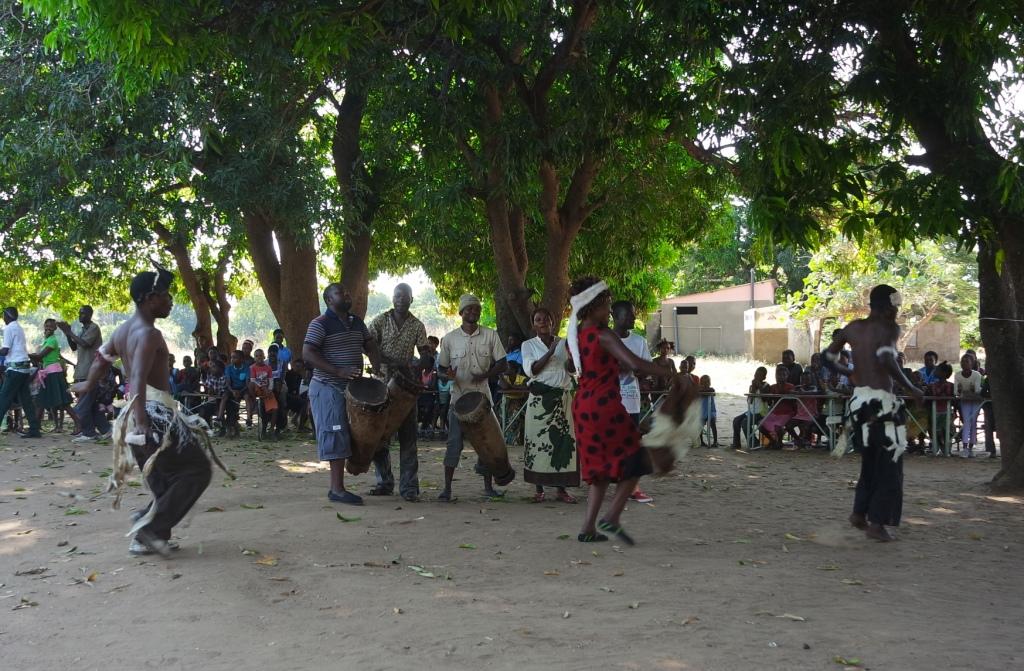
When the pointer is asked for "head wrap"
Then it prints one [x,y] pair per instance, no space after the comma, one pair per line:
[578,302]
[466,300]
[150,282]
[884,296]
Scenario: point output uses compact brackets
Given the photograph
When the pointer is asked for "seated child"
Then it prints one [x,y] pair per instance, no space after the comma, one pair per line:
[942,388]
[807,410]
[758,408]
[238,389]
[261,386]
[784,409]
[215,385]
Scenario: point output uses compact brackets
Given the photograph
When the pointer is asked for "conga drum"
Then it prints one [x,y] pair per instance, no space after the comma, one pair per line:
[481,428]
[403,393]
[676,425]
[366,404]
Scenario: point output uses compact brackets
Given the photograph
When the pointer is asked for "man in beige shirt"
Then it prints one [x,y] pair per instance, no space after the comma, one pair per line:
[470,356]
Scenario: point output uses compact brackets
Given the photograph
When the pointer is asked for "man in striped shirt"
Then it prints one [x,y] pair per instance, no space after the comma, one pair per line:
[334,346]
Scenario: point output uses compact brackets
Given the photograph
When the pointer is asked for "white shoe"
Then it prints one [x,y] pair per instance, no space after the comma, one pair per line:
[85,439]
[106,436]
[137,549]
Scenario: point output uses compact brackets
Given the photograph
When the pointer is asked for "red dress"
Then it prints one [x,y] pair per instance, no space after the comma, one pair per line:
[607,440]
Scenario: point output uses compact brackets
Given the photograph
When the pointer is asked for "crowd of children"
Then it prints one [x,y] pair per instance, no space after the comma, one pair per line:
[794,408]
[273,385]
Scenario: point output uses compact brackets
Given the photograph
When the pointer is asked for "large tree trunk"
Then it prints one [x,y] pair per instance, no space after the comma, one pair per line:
[202,334]
[289,282]
[216,291]
[507,224]
[1002,331]
[360,189]
[562,224]
[514,306]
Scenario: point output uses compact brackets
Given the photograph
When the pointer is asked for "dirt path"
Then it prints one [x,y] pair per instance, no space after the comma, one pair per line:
[743,562]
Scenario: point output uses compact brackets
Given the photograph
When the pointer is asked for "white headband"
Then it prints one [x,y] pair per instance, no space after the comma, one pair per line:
[578,302]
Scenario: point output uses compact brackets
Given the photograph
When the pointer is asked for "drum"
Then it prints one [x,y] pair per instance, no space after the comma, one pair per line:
[481,428]
[676,426]
[403,392]
[366,404]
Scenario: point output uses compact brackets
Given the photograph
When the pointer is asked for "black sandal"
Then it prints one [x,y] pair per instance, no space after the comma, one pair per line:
[591,538]
[617,530]
[381,490]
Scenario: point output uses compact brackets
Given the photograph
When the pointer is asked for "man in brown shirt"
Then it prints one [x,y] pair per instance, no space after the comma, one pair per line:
[85,339]
[399,332]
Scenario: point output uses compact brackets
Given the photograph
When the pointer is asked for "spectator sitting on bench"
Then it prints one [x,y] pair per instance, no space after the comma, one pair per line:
[261,387]
[758,408]
[783,410]
[808,410]
[942,388]
[215,386]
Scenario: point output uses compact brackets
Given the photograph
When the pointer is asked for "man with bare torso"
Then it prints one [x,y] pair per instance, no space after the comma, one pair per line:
[166,445]
[877,420]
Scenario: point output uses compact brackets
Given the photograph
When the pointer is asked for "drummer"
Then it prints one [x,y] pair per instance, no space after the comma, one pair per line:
[470,356]
[334,346]
[397,332]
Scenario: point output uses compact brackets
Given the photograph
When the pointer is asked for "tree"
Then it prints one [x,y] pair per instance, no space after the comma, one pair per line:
[903,105]
[565,121]
[90,176]
[934,278]
[728,250]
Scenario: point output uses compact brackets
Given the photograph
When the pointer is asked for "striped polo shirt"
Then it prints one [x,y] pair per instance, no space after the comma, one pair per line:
[339,341]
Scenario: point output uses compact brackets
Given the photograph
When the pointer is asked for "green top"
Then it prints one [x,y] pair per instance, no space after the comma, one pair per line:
[54,355]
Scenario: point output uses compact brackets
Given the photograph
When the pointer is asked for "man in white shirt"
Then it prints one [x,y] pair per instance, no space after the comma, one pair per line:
[18,376]
[470,356]
[623,319]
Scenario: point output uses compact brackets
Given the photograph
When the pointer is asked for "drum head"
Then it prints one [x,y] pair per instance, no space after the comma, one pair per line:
[469,402]
[367,390]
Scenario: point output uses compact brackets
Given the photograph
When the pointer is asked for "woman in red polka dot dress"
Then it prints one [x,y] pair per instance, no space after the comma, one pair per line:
[608,442]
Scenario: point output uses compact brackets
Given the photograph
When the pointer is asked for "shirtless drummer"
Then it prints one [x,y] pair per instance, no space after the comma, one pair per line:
[169,447]
[877,419]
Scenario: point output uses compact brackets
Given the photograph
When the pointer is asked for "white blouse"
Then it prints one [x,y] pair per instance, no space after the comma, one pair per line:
[555,373]
[972,383]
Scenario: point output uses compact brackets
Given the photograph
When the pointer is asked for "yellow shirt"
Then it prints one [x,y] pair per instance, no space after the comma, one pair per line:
[470,354]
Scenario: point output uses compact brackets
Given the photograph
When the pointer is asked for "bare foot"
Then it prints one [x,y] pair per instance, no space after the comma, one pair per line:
[858,520]
[879,533]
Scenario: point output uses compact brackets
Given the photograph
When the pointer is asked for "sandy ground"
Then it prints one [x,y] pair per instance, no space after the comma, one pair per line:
[744,561]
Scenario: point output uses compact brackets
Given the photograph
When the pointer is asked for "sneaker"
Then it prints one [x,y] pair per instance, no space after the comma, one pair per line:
[85,439]
[137,549]
[154,544]
[640,497]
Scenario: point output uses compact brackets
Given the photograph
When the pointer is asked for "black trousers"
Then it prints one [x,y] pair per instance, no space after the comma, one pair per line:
[739,426]
[178,478]
[408,460]
[879,493]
